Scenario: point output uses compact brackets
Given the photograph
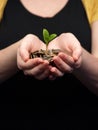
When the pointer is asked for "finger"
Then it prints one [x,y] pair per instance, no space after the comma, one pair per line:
[43,75]
[55,72]
[24,48]
[37,70]
[40,76]
[78,63]
[63,65]
[31,63]
[77,53]
[28,45]
[66,58]
[23,53]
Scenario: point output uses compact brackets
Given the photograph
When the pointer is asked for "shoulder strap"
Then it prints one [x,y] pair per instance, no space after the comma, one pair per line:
[2,6]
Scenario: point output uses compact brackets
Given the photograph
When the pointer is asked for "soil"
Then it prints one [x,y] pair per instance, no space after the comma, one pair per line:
[45,55]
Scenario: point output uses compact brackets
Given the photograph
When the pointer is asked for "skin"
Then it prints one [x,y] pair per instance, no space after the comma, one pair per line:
[8,62]
[74,59]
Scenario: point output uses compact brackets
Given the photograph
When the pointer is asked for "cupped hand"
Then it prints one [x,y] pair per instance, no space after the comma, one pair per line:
[65,62]
[34,67]
[70,56]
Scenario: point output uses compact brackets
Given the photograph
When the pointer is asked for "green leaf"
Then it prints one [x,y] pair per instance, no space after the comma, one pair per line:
[52,36]
[46,36]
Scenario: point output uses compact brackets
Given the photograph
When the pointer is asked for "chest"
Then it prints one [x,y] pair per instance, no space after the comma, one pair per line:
[19,22]
[44,8]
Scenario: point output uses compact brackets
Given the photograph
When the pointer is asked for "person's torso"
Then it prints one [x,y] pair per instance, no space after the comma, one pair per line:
[17,22]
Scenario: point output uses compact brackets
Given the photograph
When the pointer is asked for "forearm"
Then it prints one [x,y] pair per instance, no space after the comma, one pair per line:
[8,62]
[88,72]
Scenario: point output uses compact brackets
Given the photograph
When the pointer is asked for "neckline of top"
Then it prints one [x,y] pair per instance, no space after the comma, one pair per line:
[40,17]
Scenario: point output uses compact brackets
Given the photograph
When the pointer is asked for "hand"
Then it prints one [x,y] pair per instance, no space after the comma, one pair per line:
[66,61]
[35,67]
[70,57]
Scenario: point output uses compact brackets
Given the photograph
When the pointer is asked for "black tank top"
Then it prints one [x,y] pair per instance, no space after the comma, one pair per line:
[62,99]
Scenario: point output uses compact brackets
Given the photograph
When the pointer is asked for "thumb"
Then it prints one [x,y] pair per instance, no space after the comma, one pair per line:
[24,55]
[77,53]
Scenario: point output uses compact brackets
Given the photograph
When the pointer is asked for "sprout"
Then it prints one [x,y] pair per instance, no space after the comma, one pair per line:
[48,37]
